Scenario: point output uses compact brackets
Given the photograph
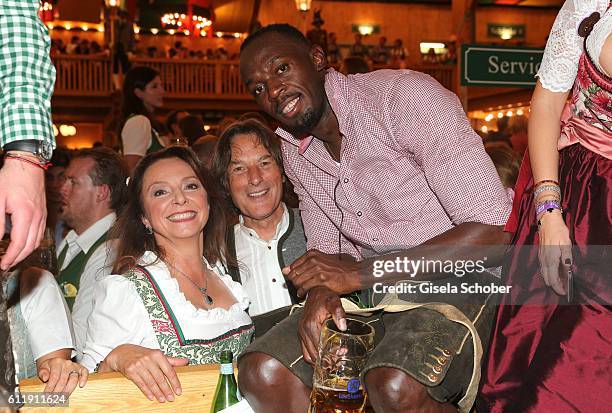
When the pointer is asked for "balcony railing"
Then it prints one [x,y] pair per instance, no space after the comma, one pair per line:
[198,79]
[82,75]
[85,76]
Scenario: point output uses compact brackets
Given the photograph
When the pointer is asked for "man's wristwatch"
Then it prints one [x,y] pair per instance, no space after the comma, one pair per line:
[41,149]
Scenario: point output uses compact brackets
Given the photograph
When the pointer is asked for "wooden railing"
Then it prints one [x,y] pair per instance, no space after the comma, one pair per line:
[184,79]
[198,79]
[445,74]
[82,75]
[112,392]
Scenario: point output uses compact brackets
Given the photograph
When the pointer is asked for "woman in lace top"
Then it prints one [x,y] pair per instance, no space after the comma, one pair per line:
[173,304]
[554,353]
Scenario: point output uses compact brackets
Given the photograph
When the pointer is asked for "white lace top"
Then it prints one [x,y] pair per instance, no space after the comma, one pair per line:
[564,46]
[119,316]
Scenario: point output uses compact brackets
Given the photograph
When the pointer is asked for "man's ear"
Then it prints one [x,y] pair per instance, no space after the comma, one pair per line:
[317,55]
[103,193]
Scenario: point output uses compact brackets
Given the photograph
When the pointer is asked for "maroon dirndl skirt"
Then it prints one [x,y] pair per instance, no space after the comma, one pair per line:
[556,357]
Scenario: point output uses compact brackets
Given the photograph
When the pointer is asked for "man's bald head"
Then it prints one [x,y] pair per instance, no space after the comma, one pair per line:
[286,31]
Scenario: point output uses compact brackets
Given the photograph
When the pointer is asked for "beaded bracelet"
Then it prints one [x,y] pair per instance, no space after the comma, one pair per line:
[544,188]
[546,181]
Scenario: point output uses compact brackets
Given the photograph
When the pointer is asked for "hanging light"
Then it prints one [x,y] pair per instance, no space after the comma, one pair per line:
[187,23]
[303,5]
[45,11]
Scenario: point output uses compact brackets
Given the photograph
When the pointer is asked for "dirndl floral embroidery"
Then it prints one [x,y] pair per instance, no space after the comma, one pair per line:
[168,331]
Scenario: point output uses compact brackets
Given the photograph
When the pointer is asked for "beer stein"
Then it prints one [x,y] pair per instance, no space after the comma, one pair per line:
[337,386]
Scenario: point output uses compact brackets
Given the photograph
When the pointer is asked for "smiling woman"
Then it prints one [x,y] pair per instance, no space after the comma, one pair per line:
[183,307]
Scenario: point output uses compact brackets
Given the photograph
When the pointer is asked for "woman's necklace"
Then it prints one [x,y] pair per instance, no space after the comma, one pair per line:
[203,290]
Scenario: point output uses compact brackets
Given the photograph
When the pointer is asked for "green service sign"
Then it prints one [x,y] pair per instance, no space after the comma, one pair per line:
[499,66]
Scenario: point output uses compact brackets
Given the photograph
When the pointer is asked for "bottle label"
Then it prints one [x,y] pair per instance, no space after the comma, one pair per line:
[227,368]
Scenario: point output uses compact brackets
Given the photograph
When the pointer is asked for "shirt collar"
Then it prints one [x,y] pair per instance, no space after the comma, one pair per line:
[336,89]
[281,227]
[89,237]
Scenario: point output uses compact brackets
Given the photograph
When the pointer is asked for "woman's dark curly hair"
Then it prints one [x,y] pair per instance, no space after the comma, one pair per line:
[133,240]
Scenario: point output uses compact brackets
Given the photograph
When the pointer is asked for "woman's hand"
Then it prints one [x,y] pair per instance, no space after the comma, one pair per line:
[151,370]
[60,374]
[555,252]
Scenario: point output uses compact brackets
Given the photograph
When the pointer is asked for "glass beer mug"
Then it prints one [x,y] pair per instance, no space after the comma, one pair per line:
[337,387]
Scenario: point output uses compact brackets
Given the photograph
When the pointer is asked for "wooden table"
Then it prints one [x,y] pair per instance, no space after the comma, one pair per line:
[112,392]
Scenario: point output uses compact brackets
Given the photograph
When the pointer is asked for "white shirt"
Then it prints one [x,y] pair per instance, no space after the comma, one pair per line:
[136,135]
[564,47]
[260,271]
[119,316]
[45,312]
[99,264]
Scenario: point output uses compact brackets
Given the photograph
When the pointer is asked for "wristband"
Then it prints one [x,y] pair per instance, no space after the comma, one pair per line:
[539,221]
[23,158]
[547,206]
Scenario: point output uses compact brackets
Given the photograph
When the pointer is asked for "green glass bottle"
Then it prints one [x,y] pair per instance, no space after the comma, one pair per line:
[227,392]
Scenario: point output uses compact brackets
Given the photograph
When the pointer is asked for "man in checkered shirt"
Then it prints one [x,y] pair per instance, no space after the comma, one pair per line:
[27,77]
[386,166]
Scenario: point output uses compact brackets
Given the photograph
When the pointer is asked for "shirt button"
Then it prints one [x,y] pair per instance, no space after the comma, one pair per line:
[346,180]
[359,213]
[269,247]
[273,280]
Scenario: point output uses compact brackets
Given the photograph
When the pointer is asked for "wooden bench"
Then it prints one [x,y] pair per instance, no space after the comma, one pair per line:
[112,392]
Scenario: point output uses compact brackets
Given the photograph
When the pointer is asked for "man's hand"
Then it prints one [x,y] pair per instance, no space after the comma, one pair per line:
[151,370]
[22,196]
[339,273]
[320,304]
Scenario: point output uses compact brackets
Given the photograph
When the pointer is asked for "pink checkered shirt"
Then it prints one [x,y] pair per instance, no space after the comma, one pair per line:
[411,167]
